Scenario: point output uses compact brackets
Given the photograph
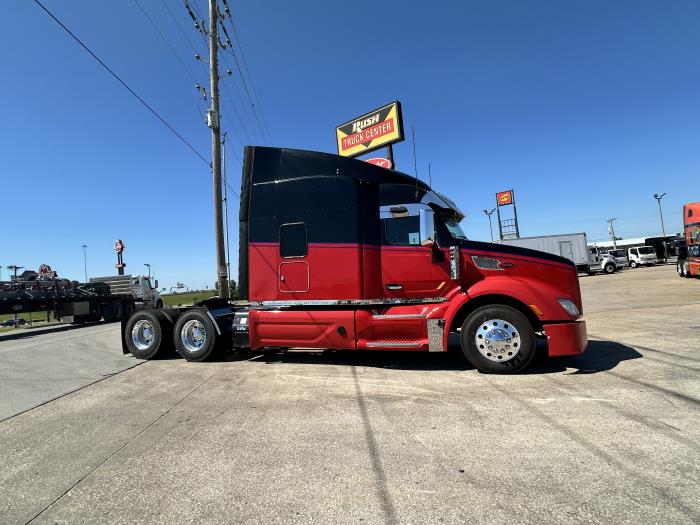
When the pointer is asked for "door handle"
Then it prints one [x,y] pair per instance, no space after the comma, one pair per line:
[394,286]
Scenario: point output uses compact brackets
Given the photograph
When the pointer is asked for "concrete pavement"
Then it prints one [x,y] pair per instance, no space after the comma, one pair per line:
[609,436]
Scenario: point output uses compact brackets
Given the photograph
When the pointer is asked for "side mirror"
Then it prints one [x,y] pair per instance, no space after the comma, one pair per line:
[427,227]
[156,286]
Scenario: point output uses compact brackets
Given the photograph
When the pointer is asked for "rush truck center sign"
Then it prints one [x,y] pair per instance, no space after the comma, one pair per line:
[373,130]
[504,198]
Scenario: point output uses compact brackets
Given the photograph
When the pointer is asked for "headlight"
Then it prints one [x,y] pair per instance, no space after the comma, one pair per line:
[570,307]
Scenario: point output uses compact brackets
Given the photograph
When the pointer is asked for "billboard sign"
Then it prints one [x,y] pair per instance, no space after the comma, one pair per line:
[373,130]
[504,197]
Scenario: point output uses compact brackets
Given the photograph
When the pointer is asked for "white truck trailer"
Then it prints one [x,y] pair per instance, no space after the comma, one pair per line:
[573,246]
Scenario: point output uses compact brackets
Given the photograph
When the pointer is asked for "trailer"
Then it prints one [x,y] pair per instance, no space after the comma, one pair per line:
[108,298]
[573,246]
[338,253]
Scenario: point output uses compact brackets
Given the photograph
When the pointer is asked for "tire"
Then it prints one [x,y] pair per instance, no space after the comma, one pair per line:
[195,336]
[113,311]
[633,264]
[144,334]
[686,270]
[680,268]
[129,309]
[500,321]
[609,268]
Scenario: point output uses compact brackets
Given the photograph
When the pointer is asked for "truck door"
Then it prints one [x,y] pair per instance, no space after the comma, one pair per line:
[293,264]
[566,249]
[408,270]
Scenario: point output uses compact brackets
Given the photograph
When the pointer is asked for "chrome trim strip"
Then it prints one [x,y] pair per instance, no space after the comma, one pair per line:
[399,316]
[351,302]
[372,344]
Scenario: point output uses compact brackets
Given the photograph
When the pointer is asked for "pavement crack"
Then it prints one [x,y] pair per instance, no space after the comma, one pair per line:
[127,443]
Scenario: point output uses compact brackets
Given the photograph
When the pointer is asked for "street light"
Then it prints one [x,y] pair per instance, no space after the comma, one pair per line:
[489,213]
[85,261]
[663,228]
[149,269]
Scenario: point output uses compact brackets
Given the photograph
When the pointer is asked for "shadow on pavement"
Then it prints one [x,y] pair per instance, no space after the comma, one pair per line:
[25,333]
[598,357]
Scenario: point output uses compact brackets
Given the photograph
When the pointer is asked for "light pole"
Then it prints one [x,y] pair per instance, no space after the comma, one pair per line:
[85,260]
[489,213]
[149,269]
[661,216]
[0,273]
[611,231]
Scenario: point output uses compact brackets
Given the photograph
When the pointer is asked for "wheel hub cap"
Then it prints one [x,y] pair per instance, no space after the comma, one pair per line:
[193,336]
[497,340]
[142,334]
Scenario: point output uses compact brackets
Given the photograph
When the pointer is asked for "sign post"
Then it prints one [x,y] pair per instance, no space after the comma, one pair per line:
[379,128]
[507,228]
[119,248]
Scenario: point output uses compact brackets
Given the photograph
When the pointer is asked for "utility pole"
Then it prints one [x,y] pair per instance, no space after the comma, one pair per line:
[488,214]
[612,231]
[663,228]
[14,269]
[213,122]
[85,261]
[0,273]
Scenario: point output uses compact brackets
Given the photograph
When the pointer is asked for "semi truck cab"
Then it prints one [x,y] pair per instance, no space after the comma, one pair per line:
[338,253]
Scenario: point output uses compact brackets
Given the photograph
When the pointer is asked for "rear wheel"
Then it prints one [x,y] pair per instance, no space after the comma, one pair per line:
[680,268]
[143,334]
[195,335]
[498,339]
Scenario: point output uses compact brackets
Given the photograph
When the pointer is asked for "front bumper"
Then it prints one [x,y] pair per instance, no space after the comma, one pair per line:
[566,338]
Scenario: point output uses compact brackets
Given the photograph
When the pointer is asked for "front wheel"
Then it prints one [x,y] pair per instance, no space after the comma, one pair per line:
[498,339]
[609,268]
[195,336]
[633,264]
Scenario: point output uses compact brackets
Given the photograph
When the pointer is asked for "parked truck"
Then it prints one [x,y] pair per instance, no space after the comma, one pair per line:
[688,264]
[342,254]
[573,246]
[108,298]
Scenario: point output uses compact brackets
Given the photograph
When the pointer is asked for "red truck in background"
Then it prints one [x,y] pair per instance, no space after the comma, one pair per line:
[338,253]
[688,264]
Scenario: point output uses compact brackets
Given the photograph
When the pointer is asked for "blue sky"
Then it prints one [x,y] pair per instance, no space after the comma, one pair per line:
[584,108]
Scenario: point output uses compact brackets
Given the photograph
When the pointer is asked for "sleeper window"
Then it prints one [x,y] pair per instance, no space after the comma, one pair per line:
[293,240]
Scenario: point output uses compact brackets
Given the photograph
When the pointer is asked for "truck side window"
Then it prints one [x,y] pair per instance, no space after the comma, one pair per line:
[293,240]
[401,231]
[690,213]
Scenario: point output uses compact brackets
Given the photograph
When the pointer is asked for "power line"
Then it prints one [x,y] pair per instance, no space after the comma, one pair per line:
[165,123]
[245,64]
[259,127]
[165,40]
[165,5]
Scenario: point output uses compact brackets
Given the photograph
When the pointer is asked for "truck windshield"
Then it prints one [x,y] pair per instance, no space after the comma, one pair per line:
[454,228]
[646,250]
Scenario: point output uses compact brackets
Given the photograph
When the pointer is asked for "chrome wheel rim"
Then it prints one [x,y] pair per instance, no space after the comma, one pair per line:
[142,334]
[497,340]
[193,336]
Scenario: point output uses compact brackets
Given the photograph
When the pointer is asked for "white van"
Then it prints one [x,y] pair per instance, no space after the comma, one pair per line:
[642,255]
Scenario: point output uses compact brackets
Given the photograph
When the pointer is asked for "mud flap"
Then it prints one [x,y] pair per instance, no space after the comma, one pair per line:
[125,350]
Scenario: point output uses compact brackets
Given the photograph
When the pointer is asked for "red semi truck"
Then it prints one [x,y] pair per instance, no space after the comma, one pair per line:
[338,253]
[688,264]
